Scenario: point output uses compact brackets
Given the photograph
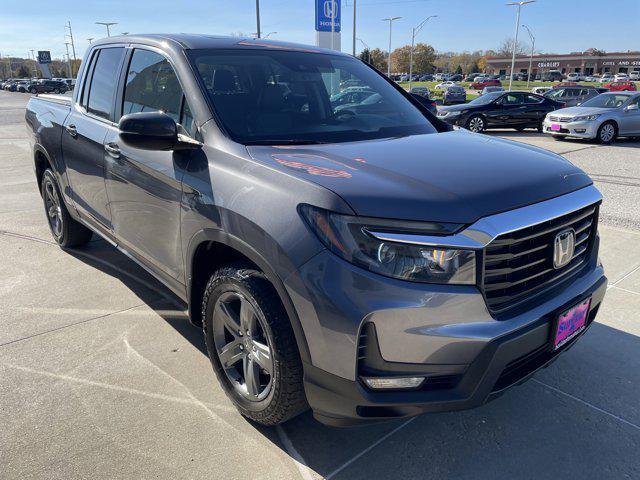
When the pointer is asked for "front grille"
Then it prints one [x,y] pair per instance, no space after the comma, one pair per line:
[519,265]
[559,119]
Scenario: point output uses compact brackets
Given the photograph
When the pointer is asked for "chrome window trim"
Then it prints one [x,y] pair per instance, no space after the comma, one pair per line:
[484,231]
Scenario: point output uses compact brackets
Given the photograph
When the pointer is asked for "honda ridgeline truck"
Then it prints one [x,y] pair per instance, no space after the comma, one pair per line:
[367,261]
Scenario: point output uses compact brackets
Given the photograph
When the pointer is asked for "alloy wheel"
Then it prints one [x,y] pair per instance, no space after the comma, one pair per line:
[54,209]
[476,124]
[607,133]
[242,345]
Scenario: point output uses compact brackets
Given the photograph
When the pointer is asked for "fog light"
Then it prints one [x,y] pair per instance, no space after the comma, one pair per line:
[580,130]
[380,383]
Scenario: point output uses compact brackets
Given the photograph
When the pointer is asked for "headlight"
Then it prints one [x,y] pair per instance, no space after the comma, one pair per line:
[349,237]
[584,118]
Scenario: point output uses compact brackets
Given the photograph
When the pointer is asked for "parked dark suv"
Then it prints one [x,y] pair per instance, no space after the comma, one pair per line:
[366,260]
[48,86]
[573,96]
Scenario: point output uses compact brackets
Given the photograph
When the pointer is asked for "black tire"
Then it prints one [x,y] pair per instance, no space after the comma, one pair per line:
[33,91]
[607,133]
[66,231]
[56,90]
[540,128]
[285,398]
[559,137]
[520,129]
[476,124]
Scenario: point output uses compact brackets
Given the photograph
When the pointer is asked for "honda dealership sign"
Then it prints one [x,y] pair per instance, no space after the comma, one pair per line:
[325,10]
[328,15]
[44,57]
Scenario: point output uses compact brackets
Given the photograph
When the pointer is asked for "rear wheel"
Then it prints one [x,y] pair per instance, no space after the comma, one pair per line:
[56,90]
[251,345]
[559,137]
[520,129]
[607,133]
[33,90]
[66,231]
[476,124]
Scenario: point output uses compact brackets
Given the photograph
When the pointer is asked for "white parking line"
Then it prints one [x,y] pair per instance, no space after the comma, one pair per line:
[368,449]
[584,402]
[625,276]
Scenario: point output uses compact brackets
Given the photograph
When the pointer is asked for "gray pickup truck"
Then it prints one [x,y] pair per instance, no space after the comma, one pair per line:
[367,261]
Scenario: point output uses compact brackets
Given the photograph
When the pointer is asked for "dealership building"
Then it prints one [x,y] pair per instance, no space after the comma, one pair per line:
[586,63]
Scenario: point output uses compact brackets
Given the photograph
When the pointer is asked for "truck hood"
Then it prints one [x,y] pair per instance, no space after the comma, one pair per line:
[455,177]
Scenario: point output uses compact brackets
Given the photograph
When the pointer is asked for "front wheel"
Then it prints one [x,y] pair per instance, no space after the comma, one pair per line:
[66,231]
[33,90]
[251,345]
[607,133]
[476,124]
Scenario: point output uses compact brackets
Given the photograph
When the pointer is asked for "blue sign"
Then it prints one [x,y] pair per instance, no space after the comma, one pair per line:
[325,9]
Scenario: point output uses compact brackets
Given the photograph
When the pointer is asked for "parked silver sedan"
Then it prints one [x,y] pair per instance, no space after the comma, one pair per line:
[604,118]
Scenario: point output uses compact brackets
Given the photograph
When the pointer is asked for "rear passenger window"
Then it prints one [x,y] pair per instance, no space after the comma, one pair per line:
[104,81]
[151,86]
[532,99]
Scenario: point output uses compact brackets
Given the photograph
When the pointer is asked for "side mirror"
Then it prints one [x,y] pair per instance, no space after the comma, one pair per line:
[632,107]
[149,131]
[153,131]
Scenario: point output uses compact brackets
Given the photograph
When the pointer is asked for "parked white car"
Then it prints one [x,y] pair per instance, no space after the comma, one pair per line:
[480,77]
[606,77]
[621,77]
[634,76]
[540,90]
[445,85]
[574,77]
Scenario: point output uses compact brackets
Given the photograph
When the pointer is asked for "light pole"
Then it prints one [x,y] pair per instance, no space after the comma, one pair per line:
[73,45]
[66,44]
[35,64]
[368,50]
[107,24]
[390,20]
[414,32]
[354,29]
[257,18]
[515,41]
[533,44]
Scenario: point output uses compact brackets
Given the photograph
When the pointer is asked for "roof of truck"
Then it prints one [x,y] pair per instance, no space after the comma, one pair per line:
[189,41]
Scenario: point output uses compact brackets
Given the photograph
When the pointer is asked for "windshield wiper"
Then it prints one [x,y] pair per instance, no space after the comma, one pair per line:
[287,141]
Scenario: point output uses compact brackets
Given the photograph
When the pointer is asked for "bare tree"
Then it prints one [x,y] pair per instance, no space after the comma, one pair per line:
[506,48]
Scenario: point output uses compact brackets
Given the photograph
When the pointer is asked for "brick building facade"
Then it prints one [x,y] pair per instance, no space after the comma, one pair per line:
[586,63]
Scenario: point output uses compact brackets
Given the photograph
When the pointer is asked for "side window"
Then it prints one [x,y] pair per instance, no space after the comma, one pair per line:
[103,82]
[87,79]
[152,86]
[532,99]
[512,99]
[186,119]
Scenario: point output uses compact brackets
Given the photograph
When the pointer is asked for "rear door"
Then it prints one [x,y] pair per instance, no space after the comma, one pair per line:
[508,111]
[535,109]
[144,187]
[84,133]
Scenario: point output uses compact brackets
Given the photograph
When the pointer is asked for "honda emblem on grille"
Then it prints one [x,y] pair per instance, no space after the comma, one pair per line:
[563,248]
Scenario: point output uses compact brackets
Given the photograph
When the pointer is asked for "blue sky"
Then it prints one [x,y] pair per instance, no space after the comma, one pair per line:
[559,25]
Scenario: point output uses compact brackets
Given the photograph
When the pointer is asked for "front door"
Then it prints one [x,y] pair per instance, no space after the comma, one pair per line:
[83,136]
[630,124]
[144,186]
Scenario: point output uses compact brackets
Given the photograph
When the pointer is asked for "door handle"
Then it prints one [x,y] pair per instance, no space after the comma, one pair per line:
[113,150]
[71,130]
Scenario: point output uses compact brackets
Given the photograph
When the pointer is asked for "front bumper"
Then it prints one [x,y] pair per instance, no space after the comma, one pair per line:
[502,363]
[572,129]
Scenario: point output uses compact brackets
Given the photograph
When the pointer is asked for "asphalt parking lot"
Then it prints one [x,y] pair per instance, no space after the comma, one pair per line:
[101,376]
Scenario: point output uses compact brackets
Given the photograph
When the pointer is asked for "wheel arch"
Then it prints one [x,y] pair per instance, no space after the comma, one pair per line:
[210,249]
[41,161]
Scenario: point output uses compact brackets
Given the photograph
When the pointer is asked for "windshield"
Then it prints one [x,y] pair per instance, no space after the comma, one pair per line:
[266,96]
[485,99]
[606,100]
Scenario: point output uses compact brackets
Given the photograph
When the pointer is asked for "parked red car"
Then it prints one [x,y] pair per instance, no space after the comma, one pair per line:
[621,86]
[485,83]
